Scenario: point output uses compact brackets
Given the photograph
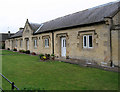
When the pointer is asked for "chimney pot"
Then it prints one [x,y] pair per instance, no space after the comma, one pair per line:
[8,33]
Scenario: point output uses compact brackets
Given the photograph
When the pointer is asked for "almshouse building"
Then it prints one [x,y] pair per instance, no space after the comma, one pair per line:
[90,35]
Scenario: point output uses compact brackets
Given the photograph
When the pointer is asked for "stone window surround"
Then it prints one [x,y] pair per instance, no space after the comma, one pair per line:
[46,42]
[58,42]
[46,37]
[87,32]
[86,41]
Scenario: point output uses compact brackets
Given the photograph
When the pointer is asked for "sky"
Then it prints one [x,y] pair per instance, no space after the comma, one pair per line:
[13,13]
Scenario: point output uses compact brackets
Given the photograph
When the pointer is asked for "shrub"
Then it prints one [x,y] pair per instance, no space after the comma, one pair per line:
[22,51]
[52,55]
[47,56]
[33,53]
[44,58]
[28,52]
[8,48]
[14,49]
[41,55]
[3,46]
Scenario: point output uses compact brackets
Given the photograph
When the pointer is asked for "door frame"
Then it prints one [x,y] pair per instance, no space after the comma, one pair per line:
[61,45]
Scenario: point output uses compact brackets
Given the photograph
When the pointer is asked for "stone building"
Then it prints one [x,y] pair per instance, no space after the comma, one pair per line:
[92,34]
[3,37]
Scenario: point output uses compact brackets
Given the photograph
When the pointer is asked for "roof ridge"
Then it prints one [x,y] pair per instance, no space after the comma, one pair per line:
[34,23]
[98,6]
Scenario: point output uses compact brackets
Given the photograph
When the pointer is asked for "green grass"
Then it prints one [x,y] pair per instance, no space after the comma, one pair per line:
[7,52]
[28,72]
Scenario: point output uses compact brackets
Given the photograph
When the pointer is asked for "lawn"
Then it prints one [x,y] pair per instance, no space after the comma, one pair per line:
[28,72]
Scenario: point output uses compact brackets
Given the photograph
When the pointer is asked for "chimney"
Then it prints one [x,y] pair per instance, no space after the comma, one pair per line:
[20,28]
[8,33]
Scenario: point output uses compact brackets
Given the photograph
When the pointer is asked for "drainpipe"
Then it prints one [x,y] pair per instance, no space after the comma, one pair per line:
[110,29]
[52,42]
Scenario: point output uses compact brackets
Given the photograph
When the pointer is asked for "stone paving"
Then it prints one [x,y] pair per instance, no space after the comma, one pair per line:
[88,64]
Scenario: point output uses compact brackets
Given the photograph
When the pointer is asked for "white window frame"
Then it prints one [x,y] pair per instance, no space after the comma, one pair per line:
[87,41]
[35,43]
[84,42]
[46,42]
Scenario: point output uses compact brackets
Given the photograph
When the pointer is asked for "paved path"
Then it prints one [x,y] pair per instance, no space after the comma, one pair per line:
[88,64]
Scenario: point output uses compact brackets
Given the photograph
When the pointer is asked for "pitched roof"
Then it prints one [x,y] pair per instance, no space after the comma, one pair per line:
[34,26]
[92,15]
[17,34]
[88,16]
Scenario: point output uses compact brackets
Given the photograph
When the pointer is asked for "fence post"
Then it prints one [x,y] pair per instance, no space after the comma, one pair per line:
[12,85]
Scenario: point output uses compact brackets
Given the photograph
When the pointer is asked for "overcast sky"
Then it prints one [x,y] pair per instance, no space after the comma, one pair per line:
[13,13]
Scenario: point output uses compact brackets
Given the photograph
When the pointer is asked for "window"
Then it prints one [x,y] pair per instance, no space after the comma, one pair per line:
[46,42]
[64,43]
[16,43]
[87,41]
[20,43]
[35,43]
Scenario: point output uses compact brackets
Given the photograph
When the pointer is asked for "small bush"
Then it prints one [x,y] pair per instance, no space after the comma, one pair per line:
[47,56]
[52,55]
[14,49]
[44,58]
[33,53]
[41,55]
[8,48]
[3,46]
[28,52]
[22,51]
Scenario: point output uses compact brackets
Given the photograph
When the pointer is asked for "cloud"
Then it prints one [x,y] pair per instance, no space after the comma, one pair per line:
[15,12]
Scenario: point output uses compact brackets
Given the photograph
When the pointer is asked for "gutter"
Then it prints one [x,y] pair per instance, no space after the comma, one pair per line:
[69,27]
[52,42]
[110,29]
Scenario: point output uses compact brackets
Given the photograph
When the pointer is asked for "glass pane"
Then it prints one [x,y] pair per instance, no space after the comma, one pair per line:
[65,43]
[45,42]
[85,44]
[48,42]
[90,41]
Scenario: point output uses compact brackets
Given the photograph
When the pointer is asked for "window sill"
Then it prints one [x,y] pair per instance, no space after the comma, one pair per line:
[88,48]
[47,47]
[35,47]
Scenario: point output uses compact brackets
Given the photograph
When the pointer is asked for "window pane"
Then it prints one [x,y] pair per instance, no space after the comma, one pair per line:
[90,40]
[35,43]
[45,42]
[65,43]
[48,42]
[84,41]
